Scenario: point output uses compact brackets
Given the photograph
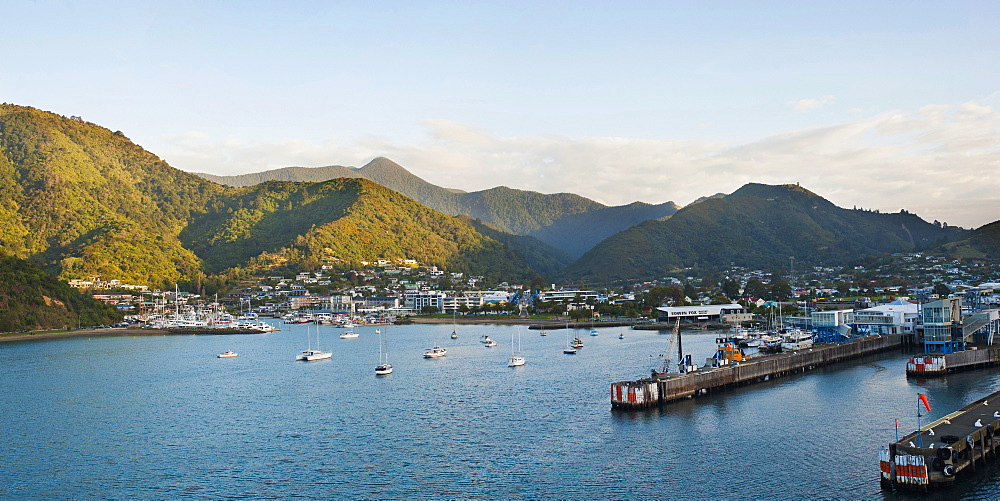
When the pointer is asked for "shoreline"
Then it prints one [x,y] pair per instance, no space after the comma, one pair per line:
[113,331]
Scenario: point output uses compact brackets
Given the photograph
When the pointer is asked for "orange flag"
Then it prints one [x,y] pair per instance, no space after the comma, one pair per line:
[923,398]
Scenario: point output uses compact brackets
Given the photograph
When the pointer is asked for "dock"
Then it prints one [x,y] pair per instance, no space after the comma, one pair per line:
[939,365]
[931,457]
[652,392]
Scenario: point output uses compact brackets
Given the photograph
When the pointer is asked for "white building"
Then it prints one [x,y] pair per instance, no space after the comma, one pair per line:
[897,317]
[729,313]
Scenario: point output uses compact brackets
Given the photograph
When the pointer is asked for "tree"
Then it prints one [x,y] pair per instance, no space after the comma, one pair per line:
[755,289]
[731,288]
[781,291]
[429,309]
[941,290]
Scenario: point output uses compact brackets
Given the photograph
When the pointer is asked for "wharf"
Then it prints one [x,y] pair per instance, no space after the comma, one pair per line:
[932,456]
[939,365]
[652,392]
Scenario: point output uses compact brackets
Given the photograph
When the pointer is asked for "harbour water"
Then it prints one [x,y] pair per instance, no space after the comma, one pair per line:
[162,418]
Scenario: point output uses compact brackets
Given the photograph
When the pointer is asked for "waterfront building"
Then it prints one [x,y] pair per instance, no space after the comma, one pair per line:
[898,317]
[831,326]
[723,313]
[942,326]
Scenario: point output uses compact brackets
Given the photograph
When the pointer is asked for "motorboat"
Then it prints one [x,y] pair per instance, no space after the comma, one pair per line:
[515,361]
[797,340]
[349,335]
[228,354]
[490,343]
[435,352]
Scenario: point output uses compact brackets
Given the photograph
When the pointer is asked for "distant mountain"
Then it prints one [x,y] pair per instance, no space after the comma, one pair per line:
[981,243]
[565,221]
[540,256]
[32,299]
[580,232]
[80,200]
[757,226]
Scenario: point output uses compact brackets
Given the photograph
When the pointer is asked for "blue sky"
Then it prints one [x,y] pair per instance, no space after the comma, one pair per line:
[883,105]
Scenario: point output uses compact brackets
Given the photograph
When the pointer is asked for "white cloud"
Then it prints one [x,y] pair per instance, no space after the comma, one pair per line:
[804,105]
[939,162]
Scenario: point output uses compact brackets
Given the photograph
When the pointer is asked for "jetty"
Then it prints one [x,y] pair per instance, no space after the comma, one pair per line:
[655,391]
[939,365]
[932,456]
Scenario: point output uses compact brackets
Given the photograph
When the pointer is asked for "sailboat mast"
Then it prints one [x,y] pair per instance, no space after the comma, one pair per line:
[680,351]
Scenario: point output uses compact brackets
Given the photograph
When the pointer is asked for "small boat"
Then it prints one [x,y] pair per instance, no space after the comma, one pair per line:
[454,328]
[435,352]
[593,332]
[384,368]
[485,339]
[310,354]
[491,343]
[545,333]
[621,336]
[516,359]
[228,354]
[577,343]
[349,335]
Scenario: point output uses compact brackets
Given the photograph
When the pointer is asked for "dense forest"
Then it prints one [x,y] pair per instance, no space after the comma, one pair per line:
[33,299]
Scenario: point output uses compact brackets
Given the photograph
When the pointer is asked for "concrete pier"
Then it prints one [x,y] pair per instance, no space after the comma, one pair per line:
[651,392]
[934,455]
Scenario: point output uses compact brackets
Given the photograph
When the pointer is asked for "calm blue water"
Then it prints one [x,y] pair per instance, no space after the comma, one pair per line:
[162,418]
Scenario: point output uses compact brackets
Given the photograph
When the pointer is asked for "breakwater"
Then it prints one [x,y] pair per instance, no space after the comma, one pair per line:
[652,392]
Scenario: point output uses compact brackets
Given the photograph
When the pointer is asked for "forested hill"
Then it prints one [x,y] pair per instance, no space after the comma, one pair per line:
[758,226]
[566,221]
[32,299]
[80,200]
[983,243]
[341,221]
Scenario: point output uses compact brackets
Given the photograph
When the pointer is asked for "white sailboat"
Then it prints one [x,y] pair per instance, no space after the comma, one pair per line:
[454,328]
[516,359]
[383,368]
[310,354]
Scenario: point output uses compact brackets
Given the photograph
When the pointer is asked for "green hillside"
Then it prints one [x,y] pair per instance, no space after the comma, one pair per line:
[981,243]
[80,201]
[565,221]
[343,220]
[34,300]
[757,226]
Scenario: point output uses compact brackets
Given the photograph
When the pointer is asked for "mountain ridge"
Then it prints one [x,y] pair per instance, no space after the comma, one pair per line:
[569,222]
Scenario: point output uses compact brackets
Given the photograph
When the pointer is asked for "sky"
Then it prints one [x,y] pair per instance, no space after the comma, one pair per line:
[882,105]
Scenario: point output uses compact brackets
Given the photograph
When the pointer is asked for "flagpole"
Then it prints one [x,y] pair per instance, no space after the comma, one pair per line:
[920,441]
